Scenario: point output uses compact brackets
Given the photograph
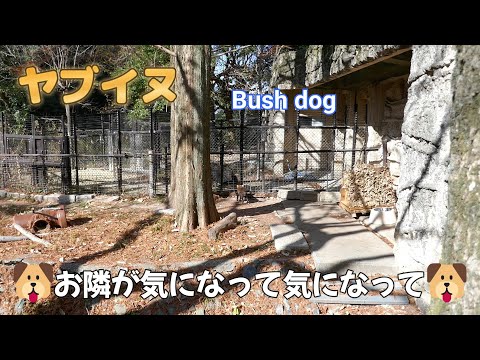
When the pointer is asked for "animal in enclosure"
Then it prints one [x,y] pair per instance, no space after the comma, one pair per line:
[241,193]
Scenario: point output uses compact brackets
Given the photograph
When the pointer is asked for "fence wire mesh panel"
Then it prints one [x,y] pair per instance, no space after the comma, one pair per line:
[114,153]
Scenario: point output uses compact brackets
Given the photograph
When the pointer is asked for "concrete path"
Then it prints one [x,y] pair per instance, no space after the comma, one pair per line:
[338,242]
[288,237]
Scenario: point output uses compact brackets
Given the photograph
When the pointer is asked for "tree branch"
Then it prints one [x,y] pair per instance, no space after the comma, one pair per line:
[168,51]
[230,51]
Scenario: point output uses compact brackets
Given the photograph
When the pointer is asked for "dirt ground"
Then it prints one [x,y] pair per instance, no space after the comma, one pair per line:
[110,233]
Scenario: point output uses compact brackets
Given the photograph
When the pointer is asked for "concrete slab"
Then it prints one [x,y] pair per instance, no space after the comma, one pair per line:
[329,197]
[338,242]
[362,300]
[288,237]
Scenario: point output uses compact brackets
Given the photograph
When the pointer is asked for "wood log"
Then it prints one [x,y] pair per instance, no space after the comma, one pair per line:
[17,238]
[227,223]
[29,235]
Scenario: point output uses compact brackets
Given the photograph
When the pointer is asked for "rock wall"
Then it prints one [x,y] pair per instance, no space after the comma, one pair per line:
[308,65]
[462,241]
[423,183]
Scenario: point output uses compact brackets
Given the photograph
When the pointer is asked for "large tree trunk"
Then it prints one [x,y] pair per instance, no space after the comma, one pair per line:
[191,190]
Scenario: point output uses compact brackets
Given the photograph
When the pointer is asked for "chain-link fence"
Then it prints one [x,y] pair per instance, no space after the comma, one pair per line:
[112,153]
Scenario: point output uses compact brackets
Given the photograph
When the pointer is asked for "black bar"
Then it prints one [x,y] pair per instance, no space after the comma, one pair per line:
[264,140]
[166,172]
[222,159]
[119,151]
[281,127]
[344,136]
[355,123]
[366,134]
[4,143]
[242,117]
[212,153]
[151,130]
[75,149]
[297,132]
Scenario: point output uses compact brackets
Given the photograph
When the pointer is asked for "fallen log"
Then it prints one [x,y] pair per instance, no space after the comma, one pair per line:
[227,223]
[29,235]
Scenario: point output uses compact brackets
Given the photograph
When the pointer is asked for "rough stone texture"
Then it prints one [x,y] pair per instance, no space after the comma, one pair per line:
[329,197]
[53,198]
[307,65]
[462,240]
[120,309]
[3,193]
[66,199]
[423,184]
[84,197]
[288,237]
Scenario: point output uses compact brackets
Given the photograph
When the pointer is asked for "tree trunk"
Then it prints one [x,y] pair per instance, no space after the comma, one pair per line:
[191,190]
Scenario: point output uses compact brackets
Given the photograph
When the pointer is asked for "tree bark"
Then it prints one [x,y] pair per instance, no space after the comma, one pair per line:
[191,191]
[227,223]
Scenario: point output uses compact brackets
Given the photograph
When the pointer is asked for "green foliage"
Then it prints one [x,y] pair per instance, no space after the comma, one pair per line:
[140,57]
[113,60]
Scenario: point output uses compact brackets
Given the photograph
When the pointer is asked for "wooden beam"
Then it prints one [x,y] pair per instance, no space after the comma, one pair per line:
[397,62]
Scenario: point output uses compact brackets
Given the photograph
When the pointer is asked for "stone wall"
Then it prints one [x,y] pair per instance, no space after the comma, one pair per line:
[462,241]
[423,184]
[308,65]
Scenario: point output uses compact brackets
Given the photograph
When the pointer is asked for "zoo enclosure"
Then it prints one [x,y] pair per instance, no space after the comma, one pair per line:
[111,153]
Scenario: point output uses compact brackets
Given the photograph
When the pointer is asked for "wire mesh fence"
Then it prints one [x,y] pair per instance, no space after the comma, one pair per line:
[112,153]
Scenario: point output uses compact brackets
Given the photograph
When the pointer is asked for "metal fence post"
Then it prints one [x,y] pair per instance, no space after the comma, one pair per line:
[151,178]
[152,157]
[166,172]
[222,155]
[242,118]
[355,125]
[366,135]
[75,149]
[119,152]
[297,132]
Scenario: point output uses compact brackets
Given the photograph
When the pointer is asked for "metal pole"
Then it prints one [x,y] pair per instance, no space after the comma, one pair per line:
[242,117]
[264,140]
[151,179]
[166,172]
[366,135]
[119,152]
[75,149]
[297,125]
[151,130]
[355,124]
[153,159]
[344,138]
[4,148]
[222,156]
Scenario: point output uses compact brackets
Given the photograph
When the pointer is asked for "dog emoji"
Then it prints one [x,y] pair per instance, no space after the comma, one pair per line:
[32,282]
[447,281]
